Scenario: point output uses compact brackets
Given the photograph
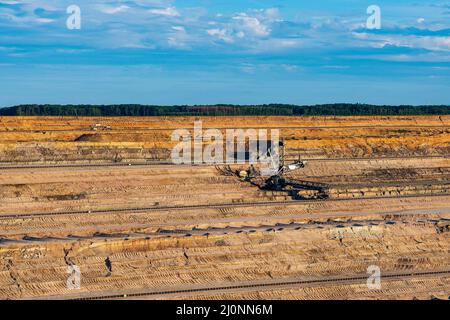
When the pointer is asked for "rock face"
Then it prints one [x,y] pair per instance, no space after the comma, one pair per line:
[166,231]
[55,139]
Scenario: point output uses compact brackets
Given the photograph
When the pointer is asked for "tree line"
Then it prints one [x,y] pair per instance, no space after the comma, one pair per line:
[338,109]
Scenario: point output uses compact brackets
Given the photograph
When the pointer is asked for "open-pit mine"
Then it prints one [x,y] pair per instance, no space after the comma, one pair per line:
[366,217]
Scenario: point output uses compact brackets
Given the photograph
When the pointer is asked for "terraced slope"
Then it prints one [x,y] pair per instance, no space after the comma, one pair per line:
[161,231]
[53,139]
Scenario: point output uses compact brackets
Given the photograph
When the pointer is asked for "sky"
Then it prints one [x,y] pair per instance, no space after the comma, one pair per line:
[224,51]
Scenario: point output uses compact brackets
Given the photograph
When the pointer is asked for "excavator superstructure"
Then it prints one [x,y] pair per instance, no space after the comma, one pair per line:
[276,176]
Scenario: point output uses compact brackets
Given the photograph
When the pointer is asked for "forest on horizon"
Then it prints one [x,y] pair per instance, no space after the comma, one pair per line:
[338,109]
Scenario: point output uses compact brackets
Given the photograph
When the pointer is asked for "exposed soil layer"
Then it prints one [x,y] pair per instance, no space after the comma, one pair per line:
[53,139]
[162,231]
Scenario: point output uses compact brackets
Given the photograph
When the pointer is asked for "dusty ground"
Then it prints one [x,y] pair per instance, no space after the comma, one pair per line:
[157,231]
[53,139]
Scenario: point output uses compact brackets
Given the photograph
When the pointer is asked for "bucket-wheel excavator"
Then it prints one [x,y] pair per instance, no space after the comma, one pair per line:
[276,177]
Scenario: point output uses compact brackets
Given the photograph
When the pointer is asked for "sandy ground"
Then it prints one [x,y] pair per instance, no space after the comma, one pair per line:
[167,229]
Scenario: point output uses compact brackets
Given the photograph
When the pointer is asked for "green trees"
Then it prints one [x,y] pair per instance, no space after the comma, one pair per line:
[338,109]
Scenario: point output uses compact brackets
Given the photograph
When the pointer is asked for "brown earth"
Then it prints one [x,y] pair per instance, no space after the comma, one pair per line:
[168,232]
[45,139]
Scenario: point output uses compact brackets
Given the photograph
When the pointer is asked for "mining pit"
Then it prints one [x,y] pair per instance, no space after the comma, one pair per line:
[108,200]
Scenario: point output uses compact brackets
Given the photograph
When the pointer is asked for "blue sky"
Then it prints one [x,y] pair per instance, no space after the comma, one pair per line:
[224,51]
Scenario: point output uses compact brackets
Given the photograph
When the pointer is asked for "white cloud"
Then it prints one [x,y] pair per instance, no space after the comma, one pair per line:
[254,30]
[179,28]
[43,20]
[253,25]
[114,10]
[410,41]
[245,28]
[272,14]
[290,67]
[178,38]
[169,11]
[221,34]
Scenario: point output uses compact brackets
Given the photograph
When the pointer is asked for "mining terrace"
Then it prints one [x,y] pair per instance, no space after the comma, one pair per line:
[101,194]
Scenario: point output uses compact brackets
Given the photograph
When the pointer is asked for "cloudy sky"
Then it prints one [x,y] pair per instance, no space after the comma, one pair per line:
[224,51]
